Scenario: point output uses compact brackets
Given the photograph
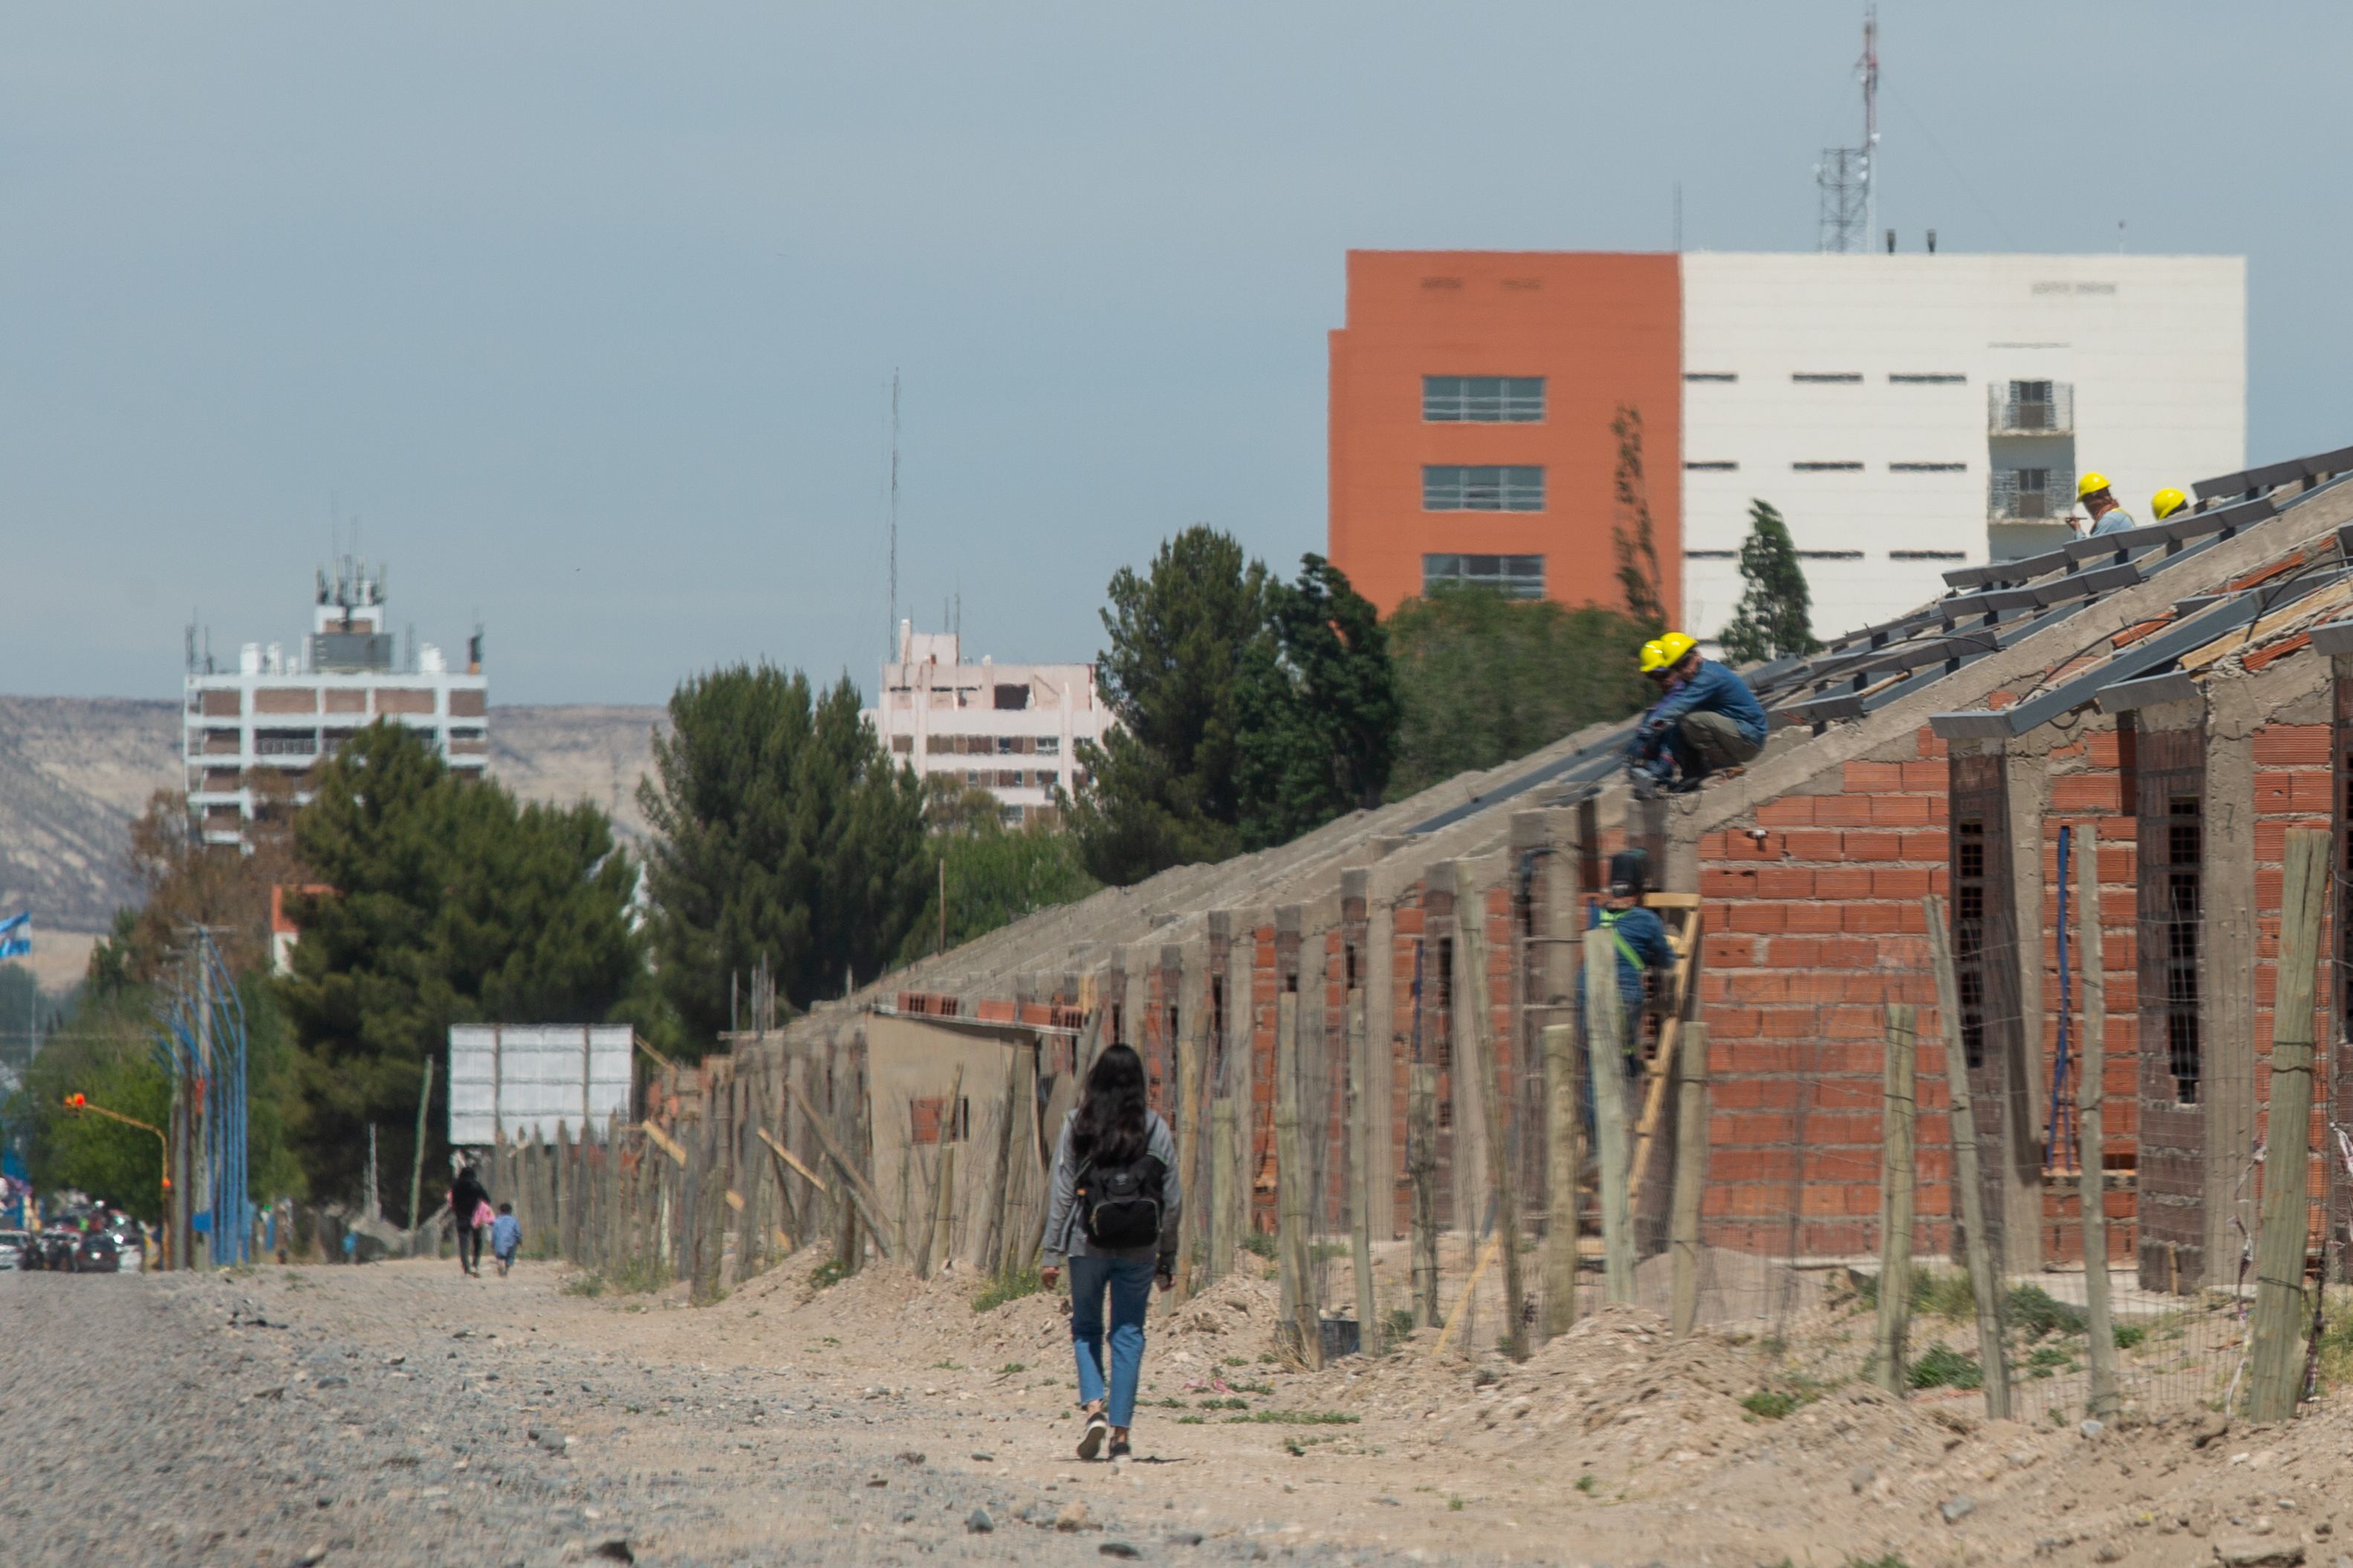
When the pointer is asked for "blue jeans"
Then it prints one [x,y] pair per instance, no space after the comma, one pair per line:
[1129,1285]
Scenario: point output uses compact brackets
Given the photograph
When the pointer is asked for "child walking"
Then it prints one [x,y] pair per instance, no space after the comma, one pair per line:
[506,1235]
[1113,1217]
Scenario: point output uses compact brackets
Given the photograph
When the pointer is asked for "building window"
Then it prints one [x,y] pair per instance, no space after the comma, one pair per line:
[1828,377]
[1927,556]
[1830,554]
[1483,399]
[1013,697]
[1513,576]
[1711,556]
[1828,467]
[1711,467]
[1447,486]
[1048,778]
[2185,856]
[903,745]
[1927,468]
[1970,935]
[2028,493]
[1724,376]
[1932,378]
[1010,816]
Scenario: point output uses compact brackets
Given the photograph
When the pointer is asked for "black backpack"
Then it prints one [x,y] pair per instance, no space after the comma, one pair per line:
[1120,1204]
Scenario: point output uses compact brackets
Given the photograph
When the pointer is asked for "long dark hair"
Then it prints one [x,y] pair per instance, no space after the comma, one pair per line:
[1111,1124]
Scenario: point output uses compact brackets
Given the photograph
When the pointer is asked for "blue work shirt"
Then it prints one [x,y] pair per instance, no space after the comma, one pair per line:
[1713,688]
[506,1234]
[2117,522]
[1642,930]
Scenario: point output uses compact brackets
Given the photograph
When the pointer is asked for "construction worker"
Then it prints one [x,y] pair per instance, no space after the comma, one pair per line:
[2107,517]
[2166,503]
[1706,720]
[1640,939]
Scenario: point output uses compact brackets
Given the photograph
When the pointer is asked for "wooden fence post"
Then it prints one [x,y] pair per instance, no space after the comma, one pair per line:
[1500,1165]
[1605,1022]
[1895,1202]
[1225,1164]
[1421,1170]
[1360,1176]
[1977,1248]
[2276,1376]
[2091,1088]
[1691,1173]
[1189,1142]
[1563,1130]
[1291,1273]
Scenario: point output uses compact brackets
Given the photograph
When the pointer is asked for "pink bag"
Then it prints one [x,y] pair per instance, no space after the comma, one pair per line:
[484,1219]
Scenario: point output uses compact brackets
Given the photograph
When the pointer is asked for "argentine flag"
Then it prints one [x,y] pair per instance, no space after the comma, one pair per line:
[17,936]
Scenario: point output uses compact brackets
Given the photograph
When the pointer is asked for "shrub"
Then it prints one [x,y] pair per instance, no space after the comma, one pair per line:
[638,1276]
[1260,1242]
[583,1284]
[2127,1335]
[1011,1286]
[1296,1418]
[1944,1367]
[1769,1403]
[2032,1307]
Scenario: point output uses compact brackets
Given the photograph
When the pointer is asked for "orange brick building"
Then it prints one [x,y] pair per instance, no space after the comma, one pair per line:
[1472,399]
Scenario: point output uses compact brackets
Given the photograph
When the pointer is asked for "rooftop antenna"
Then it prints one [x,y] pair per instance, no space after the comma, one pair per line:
[1848,207]
[891,628]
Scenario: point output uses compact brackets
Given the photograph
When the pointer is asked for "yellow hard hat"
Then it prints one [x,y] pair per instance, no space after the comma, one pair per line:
[2165,503]
[2089,483]
[1667,652]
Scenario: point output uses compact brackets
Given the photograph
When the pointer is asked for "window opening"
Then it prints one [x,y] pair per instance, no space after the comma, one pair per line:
[1445,1010]
[1513,576]
[1483,399]
[1454,486]
[1969,935]
[2185,865]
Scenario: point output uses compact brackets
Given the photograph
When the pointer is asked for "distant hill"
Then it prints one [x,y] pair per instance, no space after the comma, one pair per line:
[75,771]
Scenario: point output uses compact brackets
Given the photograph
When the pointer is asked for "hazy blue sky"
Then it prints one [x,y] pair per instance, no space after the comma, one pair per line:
[587,313]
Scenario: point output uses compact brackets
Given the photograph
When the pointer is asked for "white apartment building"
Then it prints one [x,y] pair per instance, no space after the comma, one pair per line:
[285,712]
[1908,414]
[1010,729]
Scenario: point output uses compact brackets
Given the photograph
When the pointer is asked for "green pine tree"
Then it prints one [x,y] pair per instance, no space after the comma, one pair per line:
[1774,620]
[1160,789]
[782,833]
[1317,719]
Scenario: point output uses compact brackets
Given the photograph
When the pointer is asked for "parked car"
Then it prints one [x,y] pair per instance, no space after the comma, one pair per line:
[133,1246]
[52,1249]
[12,1247]
[96,1253]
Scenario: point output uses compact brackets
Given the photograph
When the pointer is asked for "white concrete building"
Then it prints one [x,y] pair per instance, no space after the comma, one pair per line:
[1010,729]
[283,712]
[1908,414]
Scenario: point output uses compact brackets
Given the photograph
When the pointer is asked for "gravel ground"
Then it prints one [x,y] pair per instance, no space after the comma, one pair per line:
[397,1414]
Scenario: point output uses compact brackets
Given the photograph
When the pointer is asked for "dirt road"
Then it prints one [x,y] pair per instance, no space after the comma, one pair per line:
[399,1414]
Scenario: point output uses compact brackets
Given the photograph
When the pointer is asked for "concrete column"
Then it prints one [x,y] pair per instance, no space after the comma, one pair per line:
[2227,986]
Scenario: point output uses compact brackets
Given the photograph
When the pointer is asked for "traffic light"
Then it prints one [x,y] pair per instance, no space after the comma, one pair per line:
[75,1103]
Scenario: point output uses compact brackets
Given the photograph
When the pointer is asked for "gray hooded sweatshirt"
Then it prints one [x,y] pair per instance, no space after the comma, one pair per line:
[1066,1229]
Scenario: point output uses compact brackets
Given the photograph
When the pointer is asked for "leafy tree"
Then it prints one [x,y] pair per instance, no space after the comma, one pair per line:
[784,833]
[185,883]
[1775,617]
[1317,714]
[1161,790]
[450,904]
[995,874]
[106,1057]
[1638,577]
[1483,679]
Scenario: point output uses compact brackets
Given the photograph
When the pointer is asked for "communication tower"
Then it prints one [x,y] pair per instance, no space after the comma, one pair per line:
[1844,178]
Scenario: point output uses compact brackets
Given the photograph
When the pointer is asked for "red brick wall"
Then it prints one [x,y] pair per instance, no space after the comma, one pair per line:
[2093,794]
[2294,788]
[1813,926]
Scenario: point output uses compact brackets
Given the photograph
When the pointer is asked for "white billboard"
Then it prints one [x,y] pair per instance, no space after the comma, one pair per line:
[507,1080]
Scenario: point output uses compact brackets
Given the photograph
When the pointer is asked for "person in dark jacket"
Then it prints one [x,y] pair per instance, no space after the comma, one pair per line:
[1705,721]
[1115,1173]
[467,1197]
[1639,937]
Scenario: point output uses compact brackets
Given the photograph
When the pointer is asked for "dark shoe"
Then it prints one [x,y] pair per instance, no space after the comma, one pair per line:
[1120,1451]
[1090,1443]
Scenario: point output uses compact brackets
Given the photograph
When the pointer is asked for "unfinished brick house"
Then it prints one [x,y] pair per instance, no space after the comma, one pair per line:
[2173,698]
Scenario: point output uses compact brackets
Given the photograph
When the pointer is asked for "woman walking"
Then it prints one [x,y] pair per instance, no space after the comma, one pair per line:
[1113,1217]
[470,1209]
